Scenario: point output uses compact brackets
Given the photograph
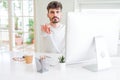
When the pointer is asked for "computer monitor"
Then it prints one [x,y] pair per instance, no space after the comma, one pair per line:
[81,31]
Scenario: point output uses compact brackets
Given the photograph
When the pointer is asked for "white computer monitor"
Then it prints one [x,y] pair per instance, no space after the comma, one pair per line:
[81,31]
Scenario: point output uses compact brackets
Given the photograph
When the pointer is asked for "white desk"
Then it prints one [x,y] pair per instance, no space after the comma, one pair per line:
[13,70]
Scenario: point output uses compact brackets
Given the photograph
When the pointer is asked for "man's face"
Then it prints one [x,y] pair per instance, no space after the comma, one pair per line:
[54,15]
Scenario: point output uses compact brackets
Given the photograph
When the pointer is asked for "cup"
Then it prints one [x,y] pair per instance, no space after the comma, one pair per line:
[28,59]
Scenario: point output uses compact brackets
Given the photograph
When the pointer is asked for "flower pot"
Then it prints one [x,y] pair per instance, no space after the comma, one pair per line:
[18,41]
[62,66]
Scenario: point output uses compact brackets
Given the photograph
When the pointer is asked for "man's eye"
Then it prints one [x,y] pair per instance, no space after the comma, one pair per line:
[51,12]
[57,12]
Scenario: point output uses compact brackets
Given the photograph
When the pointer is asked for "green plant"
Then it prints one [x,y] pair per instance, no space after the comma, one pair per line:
[61,59]
[31,23]
[30,38]
[5,4]
[16,22]
[31,32]
[19,33]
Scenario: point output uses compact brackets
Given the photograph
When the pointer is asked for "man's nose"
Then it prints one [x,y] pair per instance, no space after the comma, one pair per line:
[55,14]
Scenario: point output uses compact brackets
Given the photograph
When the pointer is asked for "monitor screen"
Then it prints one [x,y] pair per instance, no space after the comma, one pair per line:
[82,28]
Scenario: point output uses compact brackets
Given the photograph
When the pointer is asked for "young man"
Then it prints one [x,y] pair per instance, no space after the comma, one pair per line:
[53,33]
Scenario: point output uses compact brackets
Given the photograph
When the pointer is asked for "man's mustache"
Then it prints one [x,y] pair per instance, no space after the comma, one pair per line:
[55,17]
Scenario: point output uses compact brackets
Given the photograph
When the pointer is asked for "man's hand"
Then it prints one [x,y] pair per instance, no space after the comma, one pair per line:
[46,28]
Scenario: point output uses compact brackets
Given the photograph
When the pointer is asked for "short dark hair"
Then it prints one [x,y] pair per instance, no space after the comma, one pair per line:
[54,5]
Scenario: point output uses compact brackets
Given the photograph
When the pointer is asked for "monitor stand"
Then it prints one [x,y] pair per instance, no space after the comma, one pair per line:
[102,56]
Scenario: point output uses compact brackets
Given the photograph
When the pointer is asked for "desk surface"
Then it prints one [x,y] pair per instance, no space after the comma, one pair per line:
[14,70]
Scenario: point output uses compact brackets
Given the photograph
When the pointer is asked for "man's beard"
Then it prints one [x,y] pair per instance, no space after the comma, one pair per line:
[55,20]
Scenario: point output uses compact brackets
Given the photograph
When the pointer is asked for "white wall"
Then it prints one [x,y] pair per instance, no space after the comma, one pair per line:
[101,4]
[41,15]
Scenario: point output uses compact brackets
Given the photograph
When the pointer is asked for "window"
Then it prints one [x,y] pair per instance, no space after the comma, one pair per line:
[4,33]
[21,25]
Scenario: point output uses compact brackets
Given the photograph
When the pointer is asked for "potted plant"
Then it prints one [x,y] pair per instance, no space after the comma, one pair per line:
[62,62]
[19,38]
